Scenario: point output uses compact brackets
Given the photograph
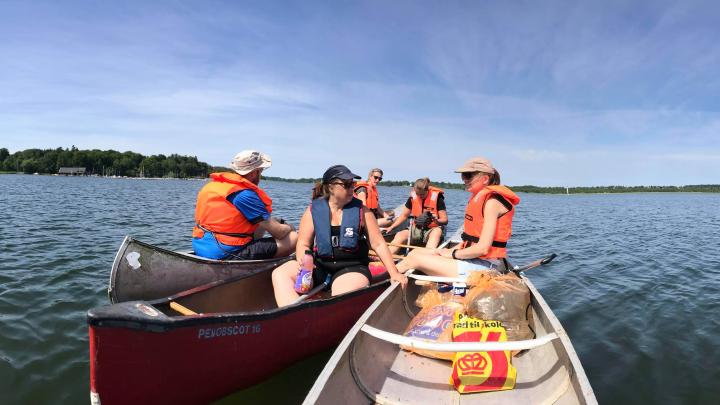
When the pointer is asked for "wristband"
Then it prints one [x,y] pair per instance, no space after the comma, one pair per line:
[453,254]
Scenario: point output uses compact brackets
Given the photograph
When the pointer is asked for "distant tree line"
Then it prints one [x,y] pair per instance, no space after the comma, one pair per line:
[131,164]
[104,162]
[705,188]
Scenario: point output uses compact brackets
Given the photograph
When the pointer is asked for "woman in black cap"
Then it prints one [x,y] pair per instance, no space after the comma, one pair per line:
[336,227]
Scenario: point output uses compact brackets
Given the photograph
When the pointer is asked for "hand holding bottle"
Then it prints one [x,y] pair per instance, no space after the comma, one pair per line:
[304,281]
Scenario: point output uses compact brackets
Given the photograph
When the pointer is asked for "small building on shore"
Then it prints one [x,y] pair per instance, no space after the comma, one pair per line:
[72,171]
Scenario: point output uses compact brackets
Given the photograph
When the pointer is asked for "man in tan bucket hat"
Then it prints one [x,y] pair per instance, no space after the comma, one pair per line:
[232,214]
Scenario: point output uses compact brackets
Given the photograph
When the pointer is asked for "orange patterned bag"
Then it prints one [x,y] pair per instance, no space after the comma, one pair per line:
[481,371]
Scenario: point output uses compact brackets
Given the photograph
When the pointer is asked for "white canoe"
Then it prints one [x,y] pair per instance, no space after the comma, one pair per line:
[367,369]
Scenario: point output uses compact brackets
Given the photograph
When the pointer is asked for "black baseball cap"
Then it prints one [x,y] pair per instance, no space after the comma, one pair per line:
[339,172]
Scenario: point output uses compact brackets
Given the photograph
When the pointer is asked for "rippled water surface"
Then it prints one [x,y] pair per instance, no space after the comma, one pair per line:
[636,283]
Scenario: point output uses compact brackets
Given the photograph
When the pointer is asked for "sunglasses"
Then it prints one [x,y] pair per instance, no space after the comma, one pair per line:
[467,175]
[378,178]
[347,185]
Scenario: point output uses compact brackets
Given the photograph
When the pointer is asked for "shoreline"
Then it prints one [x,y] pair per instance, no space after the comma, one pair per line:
[700,188]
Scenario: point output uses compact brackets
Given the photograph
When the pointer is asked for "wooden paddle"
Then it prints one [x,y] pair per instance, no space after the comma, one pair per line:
[373,253]
[314,291]
[545,260]
[182,309]
[407,246]
[410,230]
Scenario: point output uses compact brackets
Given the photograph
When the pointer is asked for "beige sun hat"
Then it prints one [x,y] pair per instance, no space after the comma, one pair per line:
[476,164]
[249,160]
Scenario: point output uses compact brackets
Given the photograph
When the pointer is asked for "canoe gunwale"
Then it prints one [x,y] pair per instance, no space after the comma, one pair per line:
[577,371]
[166,323]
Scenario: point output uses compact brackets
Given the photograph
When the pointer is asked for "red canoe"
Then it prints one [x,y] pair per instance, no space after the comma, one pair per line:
[146,352]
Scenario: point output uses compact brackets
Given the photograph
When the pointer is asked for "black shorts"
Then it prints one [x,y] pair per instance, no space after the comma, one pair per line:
[321,272]
[264,248]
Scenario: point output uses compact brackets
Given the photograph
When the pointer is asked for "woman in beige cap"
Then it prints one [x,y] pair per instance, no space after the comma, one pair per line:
[487,227]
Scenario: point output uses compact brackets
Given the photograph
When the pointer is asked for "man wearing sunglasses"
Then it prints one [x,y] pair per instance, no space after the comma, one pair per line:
[366,191]
[233,213]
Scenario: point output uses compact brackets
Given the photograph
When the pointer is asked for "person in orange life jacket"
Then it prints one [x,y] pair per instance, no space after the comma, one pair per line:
[427,204]
[367,192]
[232,214]
[488,225]
[340,229]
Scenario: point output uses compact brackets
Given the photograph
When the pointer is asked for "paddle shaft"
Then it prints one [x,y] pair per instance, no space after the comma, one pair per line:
[182,309]
[313,291]
[534,264]
[374,253]
[407,246]
[410,230]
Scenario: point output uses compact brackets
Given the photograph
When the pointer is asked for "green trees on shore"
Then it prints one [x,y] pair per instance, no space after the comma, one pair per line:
[103,162]
[131,164]
[705,188]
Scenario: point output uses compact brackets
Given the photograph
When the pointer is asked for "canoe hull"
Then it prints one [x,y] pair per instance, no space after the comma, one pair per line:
[140,358]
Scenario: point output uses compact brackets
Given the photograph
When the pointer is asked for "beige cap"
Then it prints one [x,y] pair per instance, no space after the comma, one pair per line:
[476,164]
[249,160]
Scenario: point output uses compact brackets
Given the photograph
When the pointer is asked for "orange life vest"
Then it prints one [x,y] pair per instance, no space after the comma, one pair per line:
[371,200]
[474,220]
[429,204]
[216,214]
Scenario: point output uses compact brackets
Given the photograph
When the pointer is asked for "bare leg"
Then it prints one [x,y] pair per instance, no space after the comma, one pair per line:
[399,239]
[434,238]
[429,263]
[349,282]
[283,279]
[286,245]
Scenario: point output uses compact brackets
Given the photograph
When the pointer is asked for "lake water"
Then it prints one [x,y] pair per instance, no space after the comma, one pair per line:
[636,283]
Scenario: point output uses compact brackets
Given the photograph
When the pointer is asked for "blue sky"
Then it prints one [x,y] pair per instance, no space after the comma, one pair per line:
[553,92]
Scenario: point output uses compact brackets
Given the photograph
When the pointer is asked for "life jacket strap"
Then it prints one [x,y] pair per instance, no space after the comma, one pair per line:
[470,240]
[235,235]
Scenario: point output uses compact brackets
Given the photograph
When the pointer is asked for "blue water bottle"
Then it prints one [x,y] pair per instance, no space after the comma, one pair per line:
[304,281]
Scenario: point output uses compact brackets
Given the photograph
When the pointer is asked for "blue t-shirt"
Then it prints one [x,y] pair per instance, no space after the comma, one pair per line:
[252,208]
